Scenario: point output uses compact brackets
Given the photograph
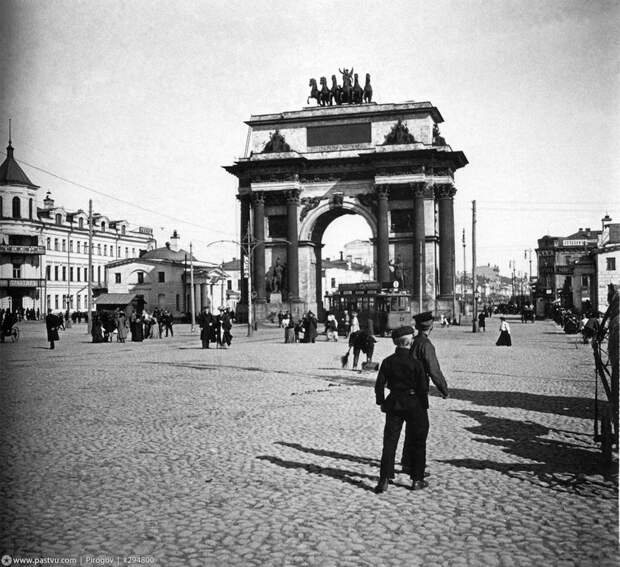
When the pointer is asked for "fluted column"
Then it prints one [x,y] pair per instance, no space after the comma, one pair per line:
[292,235]
[419,244]
[258,276]
[445,198]
[383,237]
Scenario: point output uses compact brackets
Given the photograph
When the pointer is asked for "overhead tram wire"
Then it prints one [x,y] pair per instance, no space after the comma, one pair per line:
[124,201]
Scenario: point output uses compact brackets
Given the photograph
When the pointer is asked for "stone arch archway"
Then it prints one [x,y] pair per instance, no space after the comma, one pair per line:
[313,228]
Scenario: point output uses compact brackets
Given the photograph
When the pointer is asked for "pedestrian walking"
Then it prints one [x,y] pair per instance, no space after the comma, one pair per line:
[207,327]
[422,349]
[122,327]
[226,328]
[355,324]
[310,326]
[482,321]
[404,376]
[504,333]
[52,323]
[331,328]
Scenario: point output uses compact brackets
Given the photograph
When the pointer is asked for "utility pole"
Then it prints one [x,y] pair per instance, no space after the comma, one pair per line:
[464,273]
[191,291]
[421,272]
[473,266]
[89,320]
[250,306]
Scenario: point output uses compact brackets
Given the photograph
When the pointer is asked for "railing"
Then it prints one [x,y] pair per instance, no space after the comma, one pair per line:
[21,282]
[18,249]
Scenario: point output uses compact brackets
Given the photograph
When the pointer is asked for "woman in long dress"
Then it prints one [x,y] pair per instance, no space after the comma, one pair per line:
[504,333]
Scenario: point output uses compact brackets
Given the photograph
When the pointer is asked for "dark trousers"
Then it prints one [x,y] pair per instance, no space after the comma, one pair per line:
[414,451]
[356,354]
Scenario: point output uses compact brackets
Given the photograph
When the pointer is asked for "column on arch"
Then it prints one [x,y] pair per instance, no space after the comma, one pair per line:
[383,236]
[292,235]
[244,231]
[445,198]
[258,276]
[419,244]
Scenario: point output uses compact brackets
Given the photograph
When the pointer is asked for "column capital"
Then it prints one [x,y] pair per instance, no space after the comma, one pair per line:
[382,190]
[292,196]
[258,198]
[444,191]
[421,188]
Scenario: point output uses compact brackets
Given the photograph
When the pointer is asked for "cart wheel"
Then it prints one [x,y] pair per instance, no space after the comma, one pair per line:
[606,438]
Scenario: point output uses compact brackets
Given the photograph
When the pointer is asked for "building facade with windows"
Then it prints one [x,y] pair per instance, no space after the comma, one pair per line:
[607,263]
[44,247]
[162,277]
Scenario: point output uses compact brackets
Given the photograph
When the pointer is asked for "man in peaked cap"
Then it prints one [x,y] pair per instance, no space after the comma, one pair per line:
[423,350]
[404,377]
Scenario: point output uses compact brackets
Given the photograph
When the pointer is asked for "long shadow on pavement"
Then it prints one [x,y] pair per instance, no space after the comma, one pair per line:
[348,477]
[559,465]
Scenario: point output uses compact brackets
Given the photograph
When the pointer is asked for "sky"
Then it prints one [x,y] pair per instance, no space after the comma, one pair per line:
[137,105]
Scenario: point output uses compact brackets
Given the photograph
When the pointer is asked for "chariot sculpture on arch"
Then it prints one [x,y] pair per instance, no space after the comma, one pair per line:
[350,92]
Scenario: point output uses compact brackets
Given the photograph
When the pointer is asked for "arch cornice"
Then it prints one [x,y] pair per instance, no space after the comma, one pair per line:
[349,204]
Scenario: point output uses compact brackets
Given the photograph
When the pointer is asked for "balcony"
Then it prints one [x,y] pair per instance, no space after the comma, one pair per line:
[18,249]
[21,282]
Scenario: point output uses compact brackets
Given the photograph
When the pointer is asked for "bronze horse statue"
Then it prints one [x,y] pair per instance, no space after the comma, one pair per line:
[357,92]
[325,93]
[335,90]
[314,92]
[367,94]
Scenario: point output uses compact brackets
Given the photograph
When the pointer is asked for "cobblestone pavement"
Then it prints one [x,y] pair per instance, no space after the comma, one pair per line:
[267,454]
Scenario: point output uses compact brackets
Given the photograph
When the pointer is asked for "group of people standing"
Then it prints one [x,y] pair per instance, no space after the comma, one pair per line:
[215,328]
[109,324]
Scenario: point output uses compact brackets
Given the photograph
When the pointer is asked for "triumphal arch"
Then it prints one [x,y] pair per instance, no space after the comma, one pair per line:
[305,168]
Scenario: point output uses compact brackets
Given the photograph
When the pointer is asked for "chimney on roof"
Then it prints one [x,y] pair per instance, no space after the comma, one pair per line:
[174,241]
[580,229]
[48,202]
[588,229]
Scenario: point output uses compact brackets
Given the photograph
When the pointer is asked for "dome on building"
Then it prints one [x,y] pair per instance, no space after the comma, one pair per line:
[166,253]
[11,173]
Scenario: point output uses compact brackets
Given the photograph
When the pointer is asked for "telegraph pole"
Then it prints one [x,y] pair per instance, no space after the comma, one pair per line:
[249,251]
[464,272]
[89,324]
[192,292]
[473,266]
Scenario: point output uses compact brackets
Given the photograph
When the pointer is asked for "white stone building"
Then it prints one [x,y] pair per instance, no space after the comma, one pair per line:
[44,247]
[607,263]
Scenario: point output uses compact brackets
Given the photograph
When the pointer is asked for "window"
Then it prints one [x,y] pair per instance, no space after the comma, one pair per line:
[85,274]
[123,229]
[49,243]
[611,264]
[64,245]
[48,273]
[48,301]
[77,273]
[79,302]
[105,249]
[99,274]
[126,252]
[81,222]
[140,277]
[55,302]
[30,209]
[585,281]
[98,249]
[133,252]
[64,302]
[117,277]
[58,218]
[71,274]
[56,244]
[161,277]
[70,245]
[17,208]
[229,285]
[64,273]
[102,227]
[55,273]
[78,246]
[118,252]
[17,271]
[333,284]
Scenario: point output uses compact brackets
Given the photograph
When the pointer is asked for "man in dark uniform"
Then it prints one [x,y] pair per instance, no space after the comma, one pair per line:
[52,323]
[423,350]
[207,327]
[404,377]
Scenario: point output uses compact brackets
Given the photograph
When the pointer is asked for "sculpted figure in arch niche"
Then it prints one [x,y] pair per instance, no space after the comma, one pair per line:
[277,276]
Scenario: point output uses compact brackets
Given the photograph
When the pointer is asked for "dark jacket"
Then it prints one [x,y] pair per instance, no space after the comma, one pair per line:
[52,322]
[404,376]
[362,340]
[423,350]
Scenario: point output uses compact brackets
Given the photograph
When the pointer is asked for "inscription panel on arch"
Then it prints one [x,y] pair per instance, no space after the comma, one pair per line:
[338,135]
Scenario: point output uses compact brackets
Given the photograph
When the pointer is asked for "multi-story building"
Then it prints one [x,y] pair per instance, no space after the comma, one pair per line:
[162,277]
[557,257]
[44,249]
[607,263]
